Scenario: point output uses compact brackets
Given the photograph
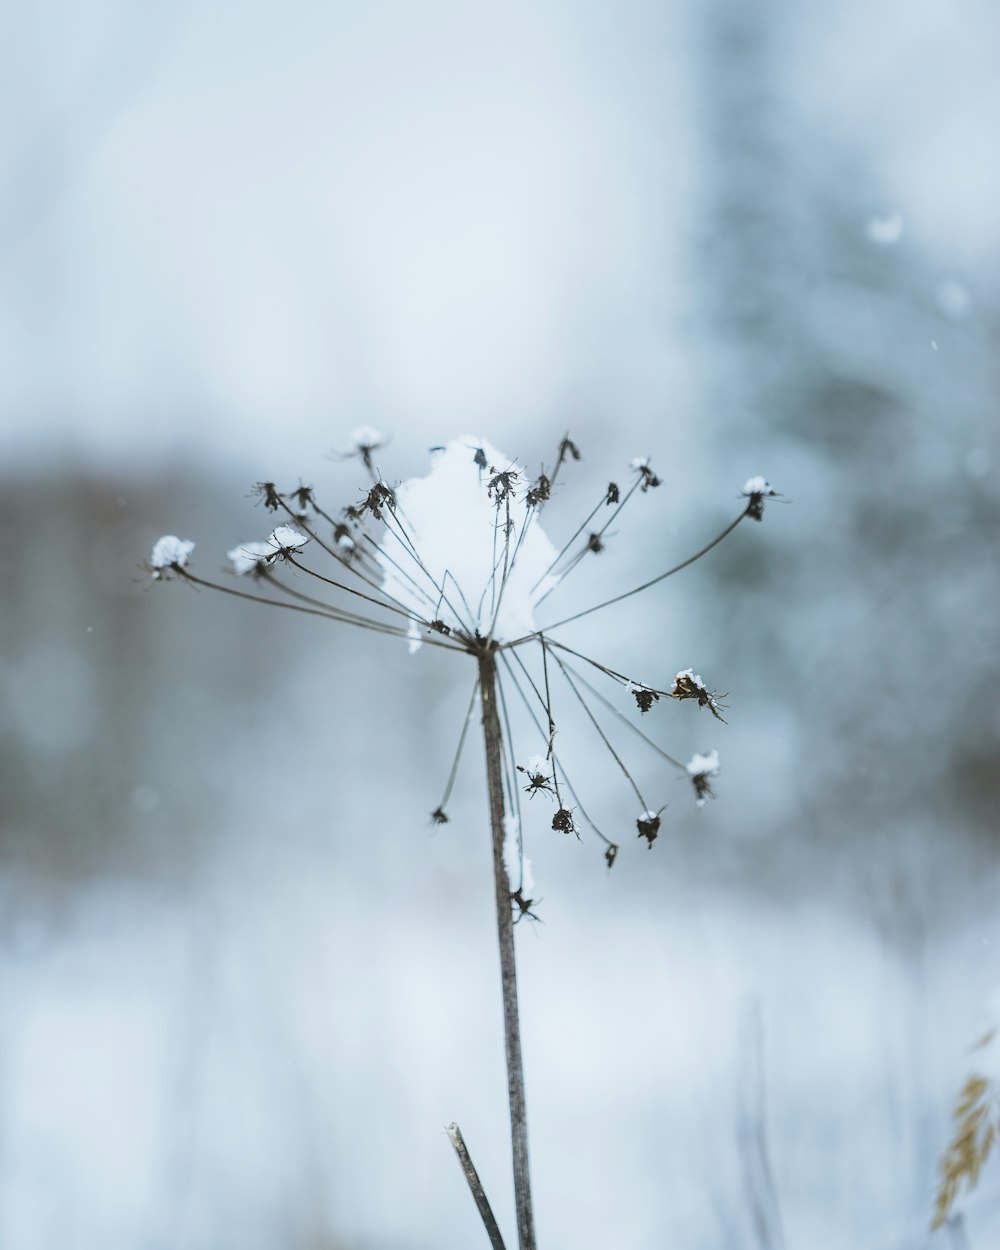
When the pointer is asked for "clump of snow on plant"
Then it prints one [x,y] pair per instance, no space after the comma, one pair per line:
[757,486]
[704,765]
[459,531]
[245,558]
[518,867]
[284,538]
[169,551]
[694,678]
[538,766]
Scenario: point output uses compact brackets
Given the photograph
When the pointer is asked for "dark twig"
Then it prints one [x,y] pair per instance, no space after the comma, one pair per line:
[475,1186]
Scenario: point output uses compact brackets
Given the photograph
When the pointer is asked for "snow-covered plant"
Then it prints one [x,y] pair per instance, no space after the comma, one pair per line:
[459,560]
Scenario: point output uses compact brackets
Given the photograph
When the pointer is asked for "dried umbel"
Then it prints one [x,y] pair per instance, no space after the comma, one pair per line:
[459,560]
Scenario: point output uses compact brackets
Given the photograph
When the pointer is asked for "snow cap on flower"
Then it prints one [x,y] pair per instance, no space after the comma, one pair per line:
[284,538]
[460,517]
[169,552]
[707,765]
[757,489]
[249,557]
[686,684]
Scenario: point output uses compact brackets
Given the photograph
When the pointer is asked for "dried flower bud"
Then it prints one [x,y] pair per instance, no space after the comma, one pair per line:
[562,821]
[611,854]
[614,494]
[269,493]
[688,685]
[501,485]
[379,497]
[439,816]
[648,824]
[644,697]
[702,769]
[540,492]
[568,448]
[303,496]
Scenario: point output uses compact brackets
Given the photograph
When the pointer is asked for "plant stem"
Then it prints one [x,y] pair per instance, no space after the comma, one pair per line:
[476,1186]
[508,971]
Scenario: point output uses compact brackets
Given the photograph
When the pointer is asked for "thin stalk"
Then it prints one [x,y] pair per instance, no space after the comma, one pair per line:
[505,933]
[475,1186]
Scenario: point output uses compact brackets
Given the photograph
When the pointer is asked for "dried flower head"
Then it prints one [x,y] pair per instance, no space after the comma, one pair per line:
[689,685]
[756,490]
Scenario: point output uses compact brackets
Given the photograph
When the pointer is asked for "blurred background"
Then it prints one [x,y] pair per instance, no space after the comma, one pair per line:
[244,983]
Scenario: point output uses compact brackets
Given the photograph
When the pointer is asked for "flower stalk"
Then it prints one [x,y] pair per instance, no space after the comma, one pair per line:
[505,935]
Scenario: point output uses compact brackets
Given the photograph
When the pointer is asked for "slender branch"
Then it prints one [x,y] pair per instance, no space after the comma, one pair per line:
[652,582]
[508,970]
[332,615]
[476,1186]
[603,736]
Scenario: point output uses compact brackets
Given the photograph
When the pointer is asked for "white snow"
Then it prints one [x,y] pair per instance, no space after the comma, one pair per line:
[757,486]
[518,869]
[639,463]
[885,230]
[246,557]
[458,529]
[648,815]
[538,764]
[168,551]
[692,676]
[284,537]
[703,765]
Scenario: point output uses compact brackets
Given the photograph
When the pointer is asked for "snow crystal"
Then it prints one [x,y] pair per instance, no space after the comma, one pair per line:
[246,557]
[703,765]
[453,520]
[284,537]
[885,230]
[169,551]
